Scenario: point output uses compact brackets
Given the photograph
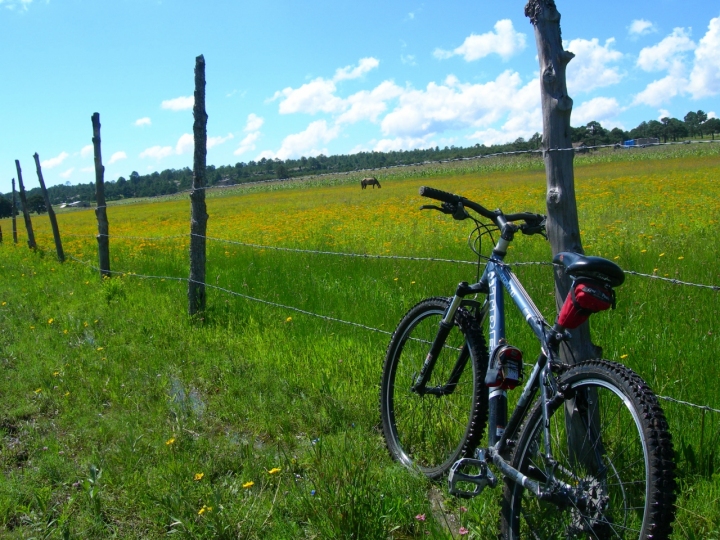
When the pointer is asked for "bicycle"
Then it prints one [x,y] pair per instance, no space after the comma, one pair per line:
[586,451]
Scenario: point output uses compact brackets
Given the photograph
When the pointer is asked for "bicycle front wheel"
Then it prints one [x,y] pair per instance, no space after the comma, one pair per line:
[612,462]
[429,432]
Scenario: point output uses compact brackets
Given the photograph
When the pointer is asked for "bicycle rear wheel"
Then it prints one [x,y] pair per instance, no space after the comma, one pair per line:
[612,452]
[430,432]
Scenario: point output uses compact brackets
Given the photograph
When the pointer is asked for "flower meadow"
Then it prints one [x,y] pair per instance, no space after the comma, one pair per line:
[121,416]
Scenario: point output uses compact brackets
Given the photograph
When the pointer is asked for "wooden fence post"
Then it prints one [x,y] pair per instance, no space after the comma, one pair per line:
[563,228]
[103,238]
[14,213]
[26,212]
[198,216]
[51,212]
[562,224]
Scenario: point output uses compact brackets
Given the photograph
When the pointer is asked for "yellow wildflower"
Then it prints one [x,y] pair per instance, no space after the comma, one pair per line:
[623,356]
[170,441]
[248,485]
[274,470]
[199,476]
[288,319]
[680,258]
[50,321]
[100,348]
[38,390]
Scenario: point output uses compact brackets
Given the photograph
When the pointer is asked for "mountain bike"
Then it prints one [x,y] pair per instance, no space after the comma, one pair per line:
[586,452]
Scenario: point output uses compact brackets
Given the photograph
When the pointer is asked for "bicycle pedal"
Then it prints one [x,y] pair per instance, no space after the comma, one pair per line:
[458,478]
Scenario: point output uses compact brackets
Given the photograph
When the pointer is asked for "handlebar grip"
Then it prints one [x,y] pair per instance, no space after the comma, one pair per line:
[439,195]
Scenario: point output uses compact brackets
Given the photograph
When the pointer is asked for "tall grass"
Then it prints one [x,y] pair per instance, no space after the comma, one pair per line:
[121,416]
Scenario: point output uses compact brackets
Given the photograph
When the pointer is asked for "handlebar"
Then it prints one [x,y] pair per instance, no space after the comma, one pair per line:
[534,223]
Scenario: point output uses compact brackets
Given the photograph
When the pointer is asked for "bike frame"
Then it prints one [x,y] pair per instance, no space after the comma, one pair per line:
[496,278]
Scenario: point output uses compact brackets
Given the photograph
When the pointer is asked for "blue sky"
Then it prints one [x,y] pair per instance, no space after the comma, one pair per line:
[288,78]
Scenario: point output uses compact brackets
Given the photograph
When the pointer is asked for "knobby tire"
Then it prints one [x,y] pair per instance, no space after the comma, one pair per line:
[429,433]
[627,474]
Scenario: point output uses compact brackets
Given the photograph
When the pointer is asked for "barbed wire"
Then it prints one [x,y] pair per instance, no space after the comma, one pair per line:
[417,164]
[337,253]
[687,403]
[674,281]
[326,317]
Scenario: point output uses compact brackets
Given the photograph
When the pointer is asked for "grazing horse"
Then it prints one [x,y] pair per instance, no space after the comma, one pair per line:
[365,182]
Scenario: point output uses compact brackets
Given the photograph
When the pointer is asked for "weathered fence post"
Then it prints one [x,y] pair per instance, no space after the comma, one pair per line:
[14,213]
[51,212]
[198,216]
[563,228]
[101,209]
[26,211]
[562,224]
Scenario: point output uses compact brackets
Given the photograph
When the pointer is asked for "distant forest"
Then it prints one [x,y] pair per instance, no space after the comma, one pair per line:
[169,181]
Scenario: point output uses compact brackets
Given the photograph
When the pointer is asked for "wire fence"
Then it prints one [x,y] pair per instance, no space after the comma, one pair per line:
[225,290]
[376,256]
[537,151]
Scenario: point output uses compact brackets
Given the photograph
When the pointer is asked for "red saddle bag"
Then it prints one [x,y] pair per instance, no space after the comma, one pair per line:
[586,297]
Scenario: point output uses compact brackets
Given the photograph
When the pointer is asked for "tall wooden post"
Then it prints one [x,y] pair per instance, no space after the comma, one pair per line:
[101,209]
[198,215]
[562,224]
[51,212]
[563,228]
[14,213]
[26,212]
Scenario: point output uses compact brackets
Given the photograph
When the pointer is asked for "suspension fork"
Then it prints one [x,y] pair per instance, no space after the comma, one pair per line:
[446,324]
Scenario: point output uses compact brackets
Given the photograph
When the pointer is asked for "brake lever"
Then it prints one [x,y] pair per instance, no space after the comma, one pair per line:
[433,207]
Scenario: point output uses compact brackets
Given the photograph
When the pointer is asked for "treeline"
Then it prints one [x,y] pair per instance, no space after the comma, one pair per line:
[169,181]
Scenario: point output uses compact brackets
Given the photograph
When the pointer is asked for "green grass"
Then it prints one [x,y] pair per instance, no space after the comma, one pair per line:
[113,400]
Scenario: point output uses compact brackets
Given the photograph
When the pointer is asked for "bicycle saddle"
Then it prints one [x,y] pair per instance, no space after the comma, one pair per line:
[579,266]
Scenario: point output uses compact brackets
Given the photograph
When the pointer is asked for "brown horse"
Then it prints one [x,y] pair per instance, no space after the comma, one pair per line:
[365,182]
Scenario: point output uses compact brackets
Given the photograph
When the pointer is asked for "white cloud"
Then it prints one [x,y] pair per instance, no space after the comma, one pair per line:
[252,128]
[601,109]
[668,54]
[661,91]
[67,173]
[145,121]
[705,76]
[117,156]
[185,144]
[216,141]
[350,72]
[505,42]
[313,97]
[87,151]
[641,27]
[305,143]
[408,59]
[88,169]
[254,123]
[157,152]
[664,113]
[370,105]
[13,4]
[54,162]
[454,105]
[179,103]
[712,114]
[590,68]
[248,143]
[403,143]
